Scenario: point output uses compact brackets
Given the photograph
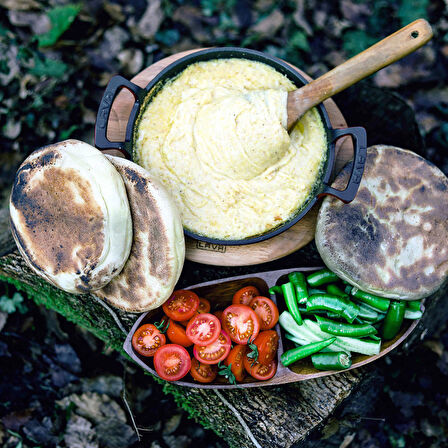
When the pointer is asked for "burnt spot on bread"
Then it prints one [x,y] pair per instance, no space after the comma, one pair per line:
[56,207]
[130,289]
[396,245]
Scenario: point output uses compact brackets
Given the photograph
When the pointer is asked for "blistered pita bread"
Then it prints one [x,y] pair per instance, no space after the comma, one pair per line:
[158,249]
[392,240]
[70,216]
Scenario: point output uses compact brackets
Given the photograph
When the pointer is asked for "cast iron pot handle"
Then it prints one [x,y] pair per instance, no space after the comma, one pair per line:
[360,144]
[113,88]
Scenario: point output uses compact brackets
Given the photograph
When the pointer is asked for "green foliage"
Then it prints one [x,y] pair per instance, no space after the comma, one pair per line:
[61,17]
[211,7]
[168,37]
[48,67]
[410,10]
[299,41]
[13,304]
[356,41]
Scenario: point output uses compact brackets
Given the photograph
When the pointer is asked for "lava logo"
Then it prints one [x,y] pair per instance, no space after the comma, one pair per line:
[210,246]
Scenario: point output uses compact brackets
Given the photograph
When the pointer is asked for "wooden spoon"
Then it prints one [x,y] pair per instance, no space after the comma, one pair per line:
[391,49]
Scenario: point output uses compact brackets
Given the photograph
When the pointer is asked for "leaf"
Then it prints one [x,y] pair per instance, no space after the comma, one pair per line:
[299,41]
[411,10]
[356,41]
[61,17]
[13,304]
[48,67]
[254,353]
[226,372]
[64,135]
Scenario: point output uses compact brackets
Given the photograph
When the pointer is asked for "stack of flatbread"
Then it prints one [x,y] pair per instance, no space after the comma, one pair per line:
[392,240]
[87,222]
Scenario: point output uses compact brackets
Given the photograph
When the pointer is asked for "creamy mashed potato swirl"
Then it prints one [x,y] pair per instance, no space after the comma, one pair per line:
[215,136]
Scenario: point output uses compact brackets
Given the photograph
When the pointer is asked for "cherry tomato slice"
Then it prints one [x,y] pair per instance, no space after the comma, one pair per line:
[241,323]
[236,358]
[204,305]
[203,329]
[258,370]
[266,310]
[147,339]
[182,305]
[176,334]
[267,344]
[204,373]
[172,362]
[244,295]
[213,353]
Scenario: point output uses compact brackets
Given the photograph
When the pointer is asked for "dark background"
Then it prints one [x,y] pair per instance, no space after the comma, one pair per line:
[56,58]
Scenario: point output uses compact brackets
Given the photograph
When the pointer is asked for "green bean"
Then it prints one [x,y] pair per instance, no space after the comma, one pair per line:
[339,305]
[336,291]
[322,277]
[366,312]
[413,315]
[299,281]
[379,303]
[275,290]
[393,320]
[297,353]
[312,291]
[291,302]
[414,305]
[343,329]
[331,361]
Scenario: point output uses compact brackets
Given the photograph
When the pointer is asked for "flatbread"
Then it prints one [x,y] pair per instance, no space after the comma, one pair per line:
[158,249]
[392,239]
[70,216]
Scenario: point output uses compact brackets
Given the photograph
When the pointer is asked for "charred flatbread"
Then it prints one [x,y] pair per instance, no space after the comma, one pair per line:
[70,216]
[158,249]
[392,239]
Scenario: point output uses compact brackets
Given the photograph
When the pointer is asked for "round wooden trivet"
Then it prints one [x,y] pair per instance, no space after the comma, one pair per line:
[279,246]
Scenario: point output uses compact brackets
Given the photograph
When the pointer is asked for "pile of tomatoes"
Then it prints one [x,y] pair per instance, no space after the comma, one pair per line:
[247,324]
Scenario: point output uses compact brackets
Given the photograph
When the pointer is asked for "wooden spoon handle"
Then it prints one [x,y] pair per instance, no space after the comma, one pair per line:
[385,52]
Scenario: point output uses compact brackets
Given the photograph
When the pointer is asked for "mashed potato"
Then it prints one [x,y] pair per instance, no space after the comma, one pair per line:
[215,136]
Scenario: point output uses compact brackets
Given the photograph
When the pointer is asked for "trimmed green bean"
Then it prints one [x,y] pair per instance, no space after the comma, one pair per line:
[312,291]
[291,302]
[412,315]
[331,361]
[336,291]
[414,305]
[343,329]
[299,281]
[275,290]
[339,305]
[393,320]
[379,303]
[297,353]
[322,277]
[367,313]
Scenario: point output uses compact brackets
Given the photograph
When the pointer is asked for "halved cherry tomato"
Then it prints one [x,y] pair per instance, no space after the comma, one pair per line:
[236,358]
[266,310]
[176,334]
[241,323]
[267,344]
[258,370]
[204,373]
[203,329]
[204,305]
[244,295]
[147,339]
[213,353]
[172,362]
[182,305]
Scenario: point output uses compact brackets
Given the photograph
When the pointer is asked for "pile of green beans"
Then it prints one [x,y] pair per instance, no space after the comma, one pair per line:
[327,319]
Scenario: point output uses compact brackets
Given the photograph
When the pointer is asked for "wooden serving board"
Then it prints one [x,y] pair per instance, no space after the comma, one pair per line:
[220,293]
[276,247]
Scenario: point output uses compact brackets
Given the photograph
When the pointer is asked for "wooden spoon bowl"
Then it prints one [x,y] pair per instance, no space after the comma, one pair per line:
[220,293]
